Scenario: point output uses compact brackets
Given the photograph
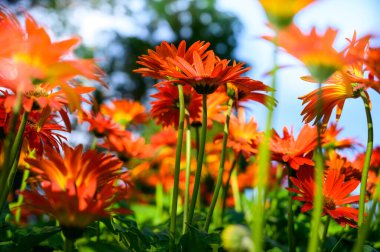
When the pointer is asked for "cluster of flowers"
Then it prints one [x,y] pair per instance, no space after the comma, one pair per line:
[40,85]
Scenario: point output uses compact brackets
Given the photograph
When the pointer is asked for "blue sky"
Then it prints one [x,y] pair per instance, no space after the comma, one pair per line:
[346,16]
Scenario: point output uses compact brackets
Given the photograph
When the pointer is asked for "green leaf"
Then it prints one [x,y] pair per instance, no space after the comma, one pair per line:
[101,246]
[26,239]
[197,240]
[367,248]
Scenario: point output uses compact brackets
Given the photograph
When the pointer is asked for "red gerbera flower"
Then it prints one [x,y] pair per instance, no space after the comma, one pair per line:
[156,62]
[165,109]
[42,132]
[292,151]
[204,75]
[335,194]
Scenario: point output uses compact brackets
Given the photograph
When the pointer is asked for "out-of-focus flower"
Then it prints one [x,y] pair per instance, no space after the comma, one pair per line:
[243,137]
[156,62]
[125,112]
[237,238]
[165,109]
[332,142]
[314,50]
[373,173]
[372,62]
[216,106]
[343,84]
[78,188]
[249,173]
[280,13]
[294,152]
[32,58]
[128,146]
[336,192]
[103,126]
[159,169]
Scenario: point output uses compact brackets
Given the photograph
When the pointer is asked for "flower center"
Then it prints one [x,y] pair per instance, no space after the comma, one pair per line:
[329,203]
[37,92]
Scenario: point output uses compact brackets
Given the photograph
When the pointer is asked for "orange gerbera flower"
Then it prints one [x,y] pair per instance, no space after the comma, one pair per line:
[78,188]
[344,84]
[36,59]
[47,96]
[314,50]
[245,89]
[280,13]
[204,75]
[216,106]
[331,140]
[165,137]
[373,173]
[372,62]
[156,62]
[243,137]
[165,109]
[128,146]
[345,167]
[294,152]
[125,112]
[103,126]
[335,193]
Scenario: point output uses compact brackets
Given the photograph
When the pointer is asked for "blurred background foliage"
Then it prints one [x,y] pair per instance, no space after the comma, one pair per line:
[153,20]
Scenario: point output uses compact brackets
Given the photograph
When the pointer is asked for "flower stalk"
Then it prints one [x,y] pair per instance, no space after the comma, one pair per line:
[173,215]
[367,160]
[188,173]
[264,154]
[313,244]
[363,227]
[219,179]
[291,235]
[11,163]
[198,171]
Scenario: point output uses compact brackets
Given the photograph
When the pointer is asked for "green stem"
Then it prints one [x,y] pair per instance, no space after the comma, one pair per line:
[219,180]
[313,245]
[173,216]
[159,202]
[198,171]
[226,187]
[326,230]
[367,161]
[363,231]
[197,140]
[258,224]
[20,199]
[10,169]
[69,245]
[291,235]
[235,191]
[188,173]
